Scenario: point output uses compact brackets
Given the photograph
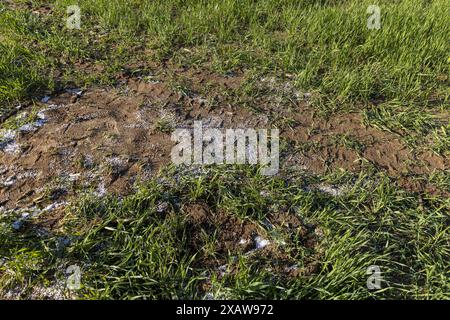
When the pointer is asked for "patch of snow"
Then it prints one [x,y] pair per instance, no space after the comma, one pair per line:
[8,143]
[13,294]
[261,243]
[31,127]
[140,121]
[7,135]
[54,292]
[45,99]
[208,296]
[150,80]
[11,148]
[28,213]
[222,269]
[101,190]
[76,91]
[27,128]
[74,176]
[17,224]
[41,115]
[264,193]
[331,190]
[9,181]
[291,268]
[115,161]
[243,241]
[54,206]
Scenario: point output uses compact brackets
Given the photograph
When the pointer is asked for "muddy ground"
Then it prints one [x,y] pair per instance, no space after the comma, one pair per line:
[106,139]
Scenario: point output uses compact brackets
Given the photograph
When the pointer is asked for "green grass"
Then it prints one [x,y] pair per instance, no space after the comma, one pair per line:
[325,46]
[128,249]
[396,77]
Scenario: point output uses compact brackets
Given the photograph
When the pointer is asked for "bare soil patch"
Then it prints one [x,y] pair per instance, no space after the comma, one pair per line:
[106,139]
[236,237]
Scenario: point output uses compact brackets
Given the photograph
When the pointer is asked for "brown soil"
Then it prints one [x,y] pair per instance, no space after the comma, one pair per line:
[233,236]
[381,148]
[110,138]
[229,230]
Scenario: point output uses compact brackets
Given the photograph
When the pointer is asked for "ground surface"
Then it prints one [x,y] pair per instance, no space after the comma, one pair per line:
[86,177]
